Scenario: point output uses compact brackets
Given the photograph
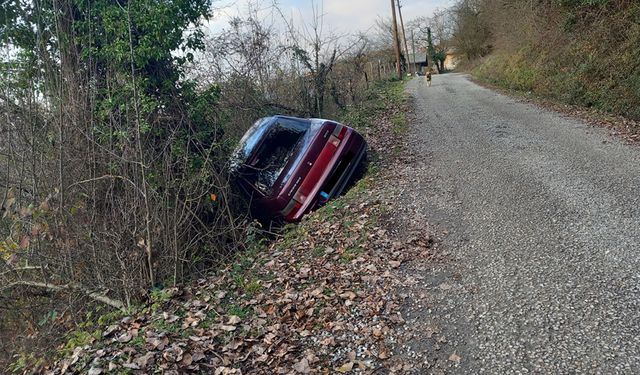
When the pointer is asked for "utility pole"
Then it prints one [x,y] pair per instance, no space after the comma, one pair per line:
[404,33]
[413,49]
[396,40]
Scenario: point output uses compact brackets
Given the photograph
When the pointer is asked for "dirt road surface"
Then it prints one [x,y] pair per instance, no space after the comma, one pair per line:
[538,217]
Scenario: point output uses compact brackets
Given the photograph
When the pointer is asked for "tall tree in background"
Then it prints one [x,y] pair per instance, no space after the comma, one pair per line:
[434,36]
[472,33]
[438,55]
[109,153]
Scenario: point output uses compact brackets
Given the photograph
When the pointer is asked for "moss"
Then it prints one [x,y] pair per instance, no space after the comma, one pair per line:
[252,287]
[80,338]
[158,298]
[23,362]
[163,326]
[109,317]
[318,251]
[291,235]
[138,341]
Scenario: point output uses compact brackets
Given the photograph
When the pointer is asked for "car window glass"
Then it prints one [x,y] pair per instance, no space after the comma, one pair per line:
[248,142]
[274,152]
[302,146]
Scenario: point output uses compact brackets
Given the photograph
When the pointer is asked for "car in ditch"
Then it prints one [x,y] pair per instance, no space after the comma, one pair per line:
[288,166]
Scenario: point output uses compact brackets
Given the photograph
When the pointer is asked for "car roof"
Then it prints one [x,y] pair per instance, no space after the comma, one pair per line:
[311,119]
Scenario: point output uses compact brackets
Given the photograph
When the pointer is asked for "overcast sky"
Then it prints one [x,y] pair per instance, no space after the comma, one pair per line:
[341,16]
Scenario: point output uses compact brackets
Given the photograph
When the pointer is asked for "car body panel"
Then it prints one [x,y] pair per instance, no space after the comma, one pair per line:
[317,168]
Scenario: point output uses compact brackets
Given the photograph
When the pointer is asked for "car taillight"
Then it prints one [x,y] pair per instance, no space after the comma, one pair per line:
[338,134]
[340,131]
[294,210]
[334,141]
[294,205]
[343,131]
[289,208]
[299,197]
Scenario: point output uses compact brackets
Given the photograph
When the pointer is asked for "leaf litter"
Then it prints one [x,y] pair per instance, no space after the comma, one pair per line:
[322,300]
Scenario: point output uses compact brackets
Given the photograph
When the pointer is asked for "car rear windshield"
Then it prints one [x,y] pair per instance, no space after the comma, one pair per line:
[277,146]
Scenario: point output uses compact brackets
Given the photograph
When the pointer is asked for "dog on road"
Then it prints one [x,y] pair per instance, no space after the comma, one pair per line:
[428,78]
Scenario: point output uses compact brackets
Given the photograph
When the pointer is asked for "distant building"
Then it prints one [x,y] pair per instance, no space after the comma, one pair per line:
[417,62]
[420,59]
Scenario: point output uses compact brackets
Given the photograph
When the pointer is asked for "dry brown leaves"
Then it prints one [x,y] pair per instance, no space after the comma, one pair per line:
[318,301]
[324,305]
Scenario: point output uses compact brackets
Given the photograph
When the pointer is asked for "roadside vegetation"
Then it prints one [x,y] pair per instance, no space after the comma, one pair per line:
[117,121]
[315,298]
[578,52]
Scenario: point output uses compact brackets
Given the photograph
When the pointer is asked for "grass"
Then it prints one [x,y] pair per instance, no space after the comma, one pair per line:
[584,65]
[350,254]
[158,298]
[291,235]
[400,125]
[162,326]
[239,311]
[80,338]
[379,99]
[318,251]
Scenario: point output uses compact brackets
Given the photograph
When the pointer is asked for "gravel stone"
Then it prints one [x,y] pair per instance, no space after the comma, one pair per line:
[538,217]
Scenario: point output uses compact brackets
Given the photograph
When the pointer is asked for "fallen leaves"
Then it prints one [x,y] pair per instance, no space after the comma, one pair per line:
[320,301]
[455,358]
[346,367]
[145,360]
[125,337]
[315,312]
[302,366]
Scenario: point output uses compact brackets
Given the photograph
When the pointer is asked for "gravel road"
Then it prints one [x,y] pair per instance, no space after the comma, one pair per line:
[540,217]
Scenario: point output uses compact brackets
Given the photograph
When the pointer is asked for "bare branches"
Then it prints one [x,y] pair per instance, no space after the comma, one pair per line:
[108,155]
[65,287]
[109,176]
[19,270]
[112,165]
[143,172]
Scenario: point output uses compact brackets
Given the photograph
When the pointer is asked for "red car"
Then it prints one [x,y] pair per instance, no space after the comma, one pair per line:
[288,165]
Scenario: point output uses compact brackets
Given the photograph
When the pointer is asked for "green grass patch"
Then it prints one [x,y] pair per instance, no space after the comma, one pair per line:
[380,97]
[239,311]
[162,326]
[318,251]
[24,361]
[399,122]
[350,254]
[80,338]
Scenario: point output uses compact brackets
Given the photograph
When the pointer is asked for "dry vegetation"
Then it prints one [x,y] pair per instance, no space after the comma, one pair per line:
[117,119]
[318,300]
[582,52]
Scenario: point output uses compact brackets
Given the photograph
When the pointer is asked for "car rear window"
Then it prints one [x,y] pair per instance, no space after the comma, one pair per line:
[274,151]
[249,142]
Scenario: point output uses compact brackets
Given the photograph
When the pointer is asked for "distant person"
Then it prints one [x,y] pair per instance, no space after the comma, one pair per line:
[428,77]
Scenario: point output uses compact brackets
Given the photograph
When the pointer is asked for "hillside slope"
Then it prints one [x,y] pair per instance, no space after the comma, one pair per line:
[585,53]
